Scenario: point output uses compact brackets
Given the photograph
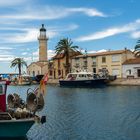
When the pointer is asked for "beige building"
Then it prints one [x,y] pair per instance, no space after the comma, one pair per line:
[57,66]
[110,60]
[40,67]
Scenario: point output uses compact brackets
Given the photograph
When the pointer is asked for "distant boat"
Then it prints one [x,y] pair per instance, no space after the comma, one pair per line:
[17,118]
[22,80]
[83,79]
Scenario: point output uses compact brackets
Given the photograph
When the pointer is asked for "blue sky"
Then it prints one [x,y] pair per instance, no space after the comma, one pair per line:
[93,25]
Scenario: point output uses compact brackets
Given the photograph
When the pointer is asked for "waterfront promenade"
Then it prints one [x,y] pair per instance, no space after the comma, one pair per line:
[118,81]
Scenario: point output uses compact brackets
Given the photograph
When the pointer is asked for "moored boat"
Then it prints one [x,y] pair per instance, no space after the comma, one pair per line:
[83,79]
[18,117]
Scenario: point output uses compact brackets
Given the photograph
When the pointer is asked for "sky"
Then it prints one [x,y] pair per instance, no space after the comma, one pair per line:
[93,25]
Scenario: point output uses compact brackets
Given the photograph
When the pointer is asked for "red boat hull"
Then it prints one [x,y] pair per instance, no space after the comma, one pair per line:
[3,102]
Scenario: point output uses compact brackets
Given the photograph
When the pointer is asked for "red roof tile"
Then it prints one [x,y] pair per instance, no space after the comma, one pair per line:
[132,61]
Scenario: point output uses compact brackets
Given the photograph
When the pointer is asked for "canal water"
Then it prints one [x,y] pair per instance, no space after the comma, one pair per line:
[110,113]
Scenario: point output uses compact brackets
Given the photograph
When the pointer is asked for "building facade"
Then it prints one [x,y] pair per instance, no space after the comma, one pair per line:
[131,68]
[57,66]
[110,60]
[40,67]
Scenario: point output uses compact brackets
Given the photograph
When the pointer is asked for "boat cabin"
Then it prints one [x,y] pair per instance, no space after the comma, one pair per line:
[80,76]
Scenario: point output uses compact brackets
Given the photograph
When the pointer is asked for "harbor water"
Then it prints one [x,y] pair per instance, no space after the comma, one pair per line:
[109,113]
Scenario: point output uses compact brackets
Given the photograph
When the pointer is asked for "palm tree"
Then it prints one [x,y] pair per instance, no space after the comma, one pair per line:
[18,63]
[65,46]
[137,49]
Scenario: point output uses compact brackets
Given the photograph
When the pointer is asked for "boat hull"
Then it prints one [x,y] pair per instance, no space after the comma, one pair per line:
[83,83]
[15,128]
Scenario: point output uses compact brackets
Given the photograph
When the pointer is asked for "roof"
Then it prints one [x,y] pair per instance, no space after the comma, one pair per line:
[37,63]
[104,53]
[132,61]
[61,55]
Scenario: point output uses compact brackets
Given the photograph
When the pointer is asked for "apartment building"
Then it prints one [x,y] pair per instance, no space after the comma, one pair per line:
[109,60]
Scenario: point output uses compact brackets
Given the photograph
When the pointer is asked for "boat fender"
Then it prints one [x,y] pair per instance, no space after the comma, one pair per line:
[43,119]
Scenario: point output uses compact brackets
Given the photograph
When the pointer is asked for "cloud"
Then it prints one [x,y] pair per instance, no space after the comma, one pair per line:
[136,35]
[131,27]
[49,13]
[64,28]
[24,53]
[5,48]
[103,50]
[5,57]
[51,53]
[25,35]
[87,11]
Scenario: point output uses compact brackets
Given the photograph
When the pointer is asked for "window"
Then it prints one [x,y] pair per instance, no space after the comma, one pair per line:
[115,58]
[38,72]
[103,59]
[94,60]
[85,63]
[129,72]
[59,72]
[94,70]
[77,60]
[33,73]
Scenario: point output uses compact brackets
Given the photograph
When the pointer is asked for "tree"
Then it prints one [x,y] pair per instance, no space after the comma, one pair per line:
[65,46]
[18,63]
[137,49]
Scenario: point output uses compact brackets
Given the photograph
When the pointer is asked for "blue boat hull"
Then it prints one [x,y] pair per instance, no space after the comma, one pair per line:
[15,128]
[83,83]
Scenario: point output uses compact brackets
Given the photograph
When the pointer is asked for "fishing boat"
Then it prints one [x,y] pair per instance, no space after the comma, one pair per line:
[83,79]
[17,117]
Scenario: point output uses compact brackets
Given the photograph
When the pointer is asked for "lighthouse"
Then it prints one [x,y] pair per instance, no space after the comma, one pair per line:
[43,44]
[41,66]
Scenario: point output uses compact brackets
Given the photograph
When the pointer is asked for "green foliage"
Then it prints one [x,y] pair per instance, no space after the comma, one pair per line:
[18,63]
[65,46]
[137,49]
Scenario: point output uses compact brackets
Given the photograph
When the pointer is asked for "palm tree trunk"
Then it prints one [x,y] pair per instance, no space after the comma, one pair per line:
[19,68]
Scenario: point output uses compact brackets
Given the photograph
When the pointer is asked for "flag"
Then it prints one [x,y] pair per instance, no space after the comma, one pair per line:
[43,82]
[46,78]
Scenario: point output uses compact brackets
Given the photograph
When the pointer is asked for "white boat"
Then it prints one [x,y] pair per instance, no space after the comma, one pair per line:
[83,79]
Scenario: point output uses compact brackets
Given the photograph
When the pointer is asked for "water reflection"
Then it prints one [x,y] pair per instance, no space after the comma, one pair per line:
[110,113]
